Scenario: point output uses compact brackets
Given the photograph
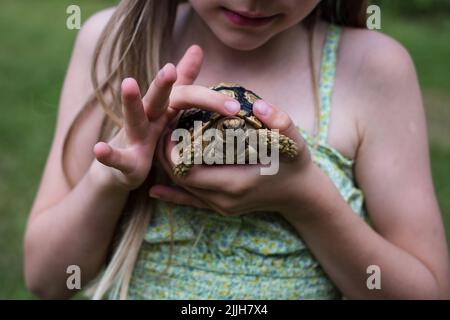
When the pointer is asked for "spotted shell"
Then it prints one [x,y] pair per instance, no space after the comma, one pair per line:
[245,97]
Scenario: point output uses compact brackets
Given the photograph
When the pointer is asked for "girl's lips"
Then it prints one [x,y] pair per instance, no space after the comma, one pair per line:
[241,19]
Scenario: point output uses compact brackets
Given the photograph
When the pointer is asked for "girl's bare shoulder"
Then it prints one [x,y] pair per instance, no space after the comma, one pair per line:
[95,24]
[375,60]
[75,93]
[78,83]
[379,73]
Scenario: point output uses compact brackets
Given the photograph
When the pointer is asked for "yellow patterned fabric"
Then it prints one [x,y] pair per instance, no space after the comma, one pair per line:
[255,256]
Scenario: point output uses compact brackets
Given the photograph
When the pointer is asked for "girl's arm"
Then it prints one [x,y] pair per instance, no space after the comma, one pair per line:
[75,231]
[61,223]
[75,226]
[407,241]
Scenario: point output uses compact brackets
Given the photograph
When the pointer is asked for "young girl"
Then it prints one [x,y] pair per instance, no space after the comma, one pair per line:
[353,216]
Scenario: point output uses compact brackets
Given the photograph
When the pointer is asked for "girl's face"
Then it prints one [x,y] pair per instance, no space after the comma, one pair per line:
[248,24]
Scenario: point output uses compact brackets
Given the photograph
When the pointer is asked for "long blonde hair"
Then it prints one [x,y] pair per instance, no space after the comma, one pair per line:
[139,32]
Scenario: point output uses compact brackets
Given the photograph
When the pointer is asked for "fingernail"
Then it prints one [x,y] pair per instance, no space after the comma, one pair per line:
[162,72]
[232,106]
[152,195]
[262,107]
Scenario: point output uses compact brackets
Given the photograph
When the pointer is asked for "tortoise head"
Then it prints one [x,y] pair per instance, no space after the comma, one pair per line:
[232,122]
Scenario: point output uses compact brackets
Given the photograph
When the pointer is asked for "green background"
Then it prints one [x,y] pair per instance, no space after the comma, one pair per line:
[35,48]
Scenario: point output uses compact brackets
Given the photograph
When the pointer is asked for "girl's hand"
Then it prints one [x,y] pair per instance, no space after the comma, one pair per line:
[239,189]
[128,157]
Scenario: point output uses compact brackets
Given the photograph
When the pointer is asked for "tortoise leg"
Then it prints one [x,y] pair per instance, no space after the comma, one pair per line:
[285,145]
[288,147]
[182,169]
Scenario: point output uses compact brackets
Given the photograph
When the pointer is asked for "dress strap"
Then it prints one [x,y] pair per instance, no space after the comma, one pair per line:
[326,80]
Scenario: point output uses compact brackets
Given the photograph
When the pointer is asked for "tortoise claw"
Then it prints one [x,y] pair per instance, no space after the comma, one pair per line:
[288,147]
[182,169]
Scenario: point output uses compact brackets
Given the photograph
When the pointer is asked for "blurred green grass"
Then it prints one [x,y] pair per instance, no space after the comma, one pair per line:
[35,48]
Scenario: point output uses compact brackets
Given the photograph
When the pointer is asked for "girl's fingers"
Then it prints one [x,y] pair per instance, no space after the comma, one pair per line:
[135,121]
[205,177]
[176,195]
[163,154]
[213,199]
[275,118]
[220,177]
[156,99]
[187,70]
[189,66]
[193,96]
[114,158]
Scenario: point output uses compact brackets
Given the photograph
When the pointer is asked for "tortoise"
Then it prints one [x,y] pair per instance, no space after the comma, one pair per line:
[243,120]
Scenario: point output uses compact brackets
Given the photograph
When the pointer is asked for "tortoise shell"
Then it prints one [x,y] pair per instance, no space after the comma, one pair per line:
[244,119]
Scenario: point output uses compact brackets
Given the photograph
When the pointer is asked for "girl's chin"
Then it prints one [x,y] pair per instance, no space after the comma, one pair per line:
[242,43]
